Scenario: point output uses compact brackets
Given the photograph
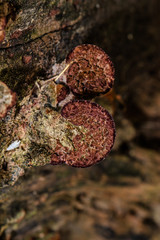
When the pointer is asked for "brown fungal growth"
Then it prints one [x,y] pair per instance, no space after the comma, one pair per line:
[26,59]
[2,27]
[7,99]
[2,35]
[96,138]
[91,71]
[62,92]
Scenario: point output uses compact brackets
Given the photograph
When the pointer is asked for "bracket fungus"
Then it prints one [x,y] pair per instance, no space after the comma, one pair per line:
[96,138]
[7,99]
[90,70]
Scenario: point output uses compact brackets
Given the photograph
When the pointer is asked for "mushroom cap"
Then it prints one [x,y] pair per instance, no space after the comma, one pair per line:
[96,138]
[7,99]
[91,71]
[62,92]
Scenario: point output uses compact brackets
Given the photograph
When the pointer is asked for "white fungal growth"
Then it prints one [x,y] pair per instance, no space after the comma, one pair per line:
[13,145]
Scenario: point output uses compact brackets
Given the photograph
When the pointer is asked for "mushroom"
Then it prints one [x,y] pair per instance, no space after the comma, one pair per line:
[90,71]
[96,138]
[87,71]
[7,99]
[62,92]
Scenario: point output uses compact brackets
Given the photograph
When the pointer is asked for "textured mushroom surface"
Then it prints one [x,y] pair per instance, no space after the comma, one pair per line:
[62,92]
[96,139]
[7,99]
[91,70]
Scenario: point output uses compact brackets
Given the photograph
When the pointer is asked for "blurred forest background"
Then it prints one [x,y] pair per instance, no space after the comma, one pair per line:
[119,198]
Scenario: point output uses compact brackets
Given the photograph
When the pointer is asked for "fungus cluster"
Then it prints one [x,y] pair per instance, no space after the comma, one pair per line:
[7,99]
[90,72]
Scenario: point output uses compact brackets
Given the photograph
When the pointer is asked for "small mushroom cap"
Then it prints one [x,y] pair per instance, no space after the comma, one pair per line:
[7,99]
[62,92]
[91,71]
[96,138]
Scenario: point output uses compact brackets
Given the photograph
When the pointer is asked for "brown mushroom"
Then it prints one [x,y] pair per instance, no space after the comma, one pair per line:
[96,138]
[62,92]
[90,72]
[7,99]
